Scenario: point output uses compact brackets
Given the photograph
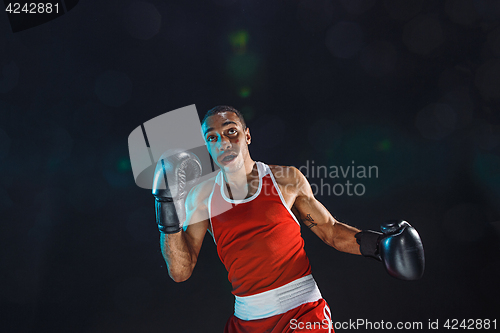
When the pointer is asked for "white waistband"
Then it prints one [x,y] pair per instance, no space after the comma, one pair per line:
[278,300]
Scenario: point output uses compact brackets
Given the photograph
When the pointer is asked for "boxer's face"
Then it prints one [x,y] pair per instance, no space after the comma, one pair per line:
[226,140]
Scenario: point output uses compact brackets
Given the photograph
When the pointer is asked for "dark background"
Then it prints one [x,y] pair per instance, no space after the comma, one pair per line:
[412,87]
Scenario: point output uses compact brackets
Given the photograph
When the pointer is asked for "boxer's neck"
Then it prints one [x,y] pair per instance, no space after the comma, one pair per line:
[240,179]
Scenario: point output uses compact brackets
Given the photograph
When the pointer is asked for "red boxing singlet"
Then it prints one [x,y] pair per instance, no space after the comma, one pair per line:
[258,239]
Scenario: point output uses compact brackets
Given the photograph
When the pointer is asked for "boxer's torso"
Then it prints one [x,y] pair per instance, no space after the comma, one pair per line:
[258,238]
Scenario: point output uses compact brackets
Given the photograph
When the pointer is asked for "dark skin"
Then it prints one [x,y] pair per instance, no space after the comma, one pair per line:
[227,142]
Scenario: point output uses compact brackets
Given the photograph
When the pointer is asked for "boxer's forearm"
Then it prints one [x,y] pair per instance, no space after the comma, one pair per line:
[178,255]
[343,238]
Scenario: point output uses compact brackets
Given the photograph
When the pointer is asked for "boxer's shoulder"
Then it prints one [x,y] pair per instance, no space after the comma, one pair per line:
[286,175]
[199,194]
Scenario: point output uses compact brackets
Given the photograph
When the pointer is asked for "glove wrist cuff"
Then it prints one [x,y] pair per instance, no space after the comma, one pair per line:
[169,229]
[369,241]
[164,199]
[166,217]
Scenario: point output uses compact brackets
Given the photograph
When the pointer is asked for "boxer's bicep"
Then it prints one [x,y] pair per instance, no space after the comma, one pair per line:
[317,218]
[311,212]
[197,219]
[195,233]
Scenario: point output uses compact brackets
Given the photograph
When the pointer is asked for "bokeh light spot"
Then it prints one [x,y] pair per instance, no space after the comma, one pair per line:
[243,67]
[124,164]
[384,145]
[117,167]
[238,40]
[245,92]
[361,143]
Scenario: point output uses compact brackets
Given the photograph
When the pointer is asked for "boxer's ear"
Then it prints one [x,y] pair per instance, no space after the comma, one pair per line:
[248,137]
[28,14]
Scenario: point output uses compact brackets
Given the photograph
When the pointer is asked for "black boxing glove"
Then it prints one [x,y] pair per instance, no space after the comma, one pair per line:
[399,247]
[176,172]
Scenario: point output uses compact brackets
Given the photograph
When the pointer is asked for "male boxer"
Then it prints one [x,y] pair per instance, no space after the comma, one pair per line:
[252,210]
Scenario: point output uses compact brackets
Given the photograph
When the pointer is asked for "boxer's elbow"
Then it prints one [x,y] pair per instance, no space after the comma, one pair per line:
[180,261]
[179,277]
[180,274]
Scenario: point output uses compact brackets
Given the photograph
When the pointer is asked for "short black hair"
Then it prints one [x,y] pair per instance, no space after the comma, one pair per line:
[224,108]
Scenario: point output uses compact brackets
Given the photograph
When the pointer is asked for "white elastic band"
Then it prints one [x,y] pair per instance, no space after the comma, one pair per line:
[278,300]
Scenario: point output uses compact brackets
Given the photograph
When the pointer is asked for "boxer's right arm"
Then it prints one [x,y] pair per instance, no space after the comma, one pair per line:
[180,250]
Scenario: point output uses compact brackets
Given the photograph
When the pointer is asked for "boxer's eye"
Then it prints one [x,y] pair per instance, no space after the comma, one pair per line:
[211,138]
[231,131]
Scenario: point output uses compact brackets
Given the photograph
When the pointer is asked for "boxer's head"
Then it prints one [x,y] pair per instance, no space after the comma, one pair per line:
[224,108]
[227,137]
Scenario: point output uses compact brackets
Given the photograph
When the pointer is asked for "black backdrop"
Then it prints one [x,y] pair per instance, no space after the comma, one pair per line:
[411,87]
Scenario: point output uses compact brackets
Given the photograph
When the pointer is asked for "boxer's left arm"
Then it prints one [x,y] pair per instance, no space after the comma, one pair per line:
[316,217]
